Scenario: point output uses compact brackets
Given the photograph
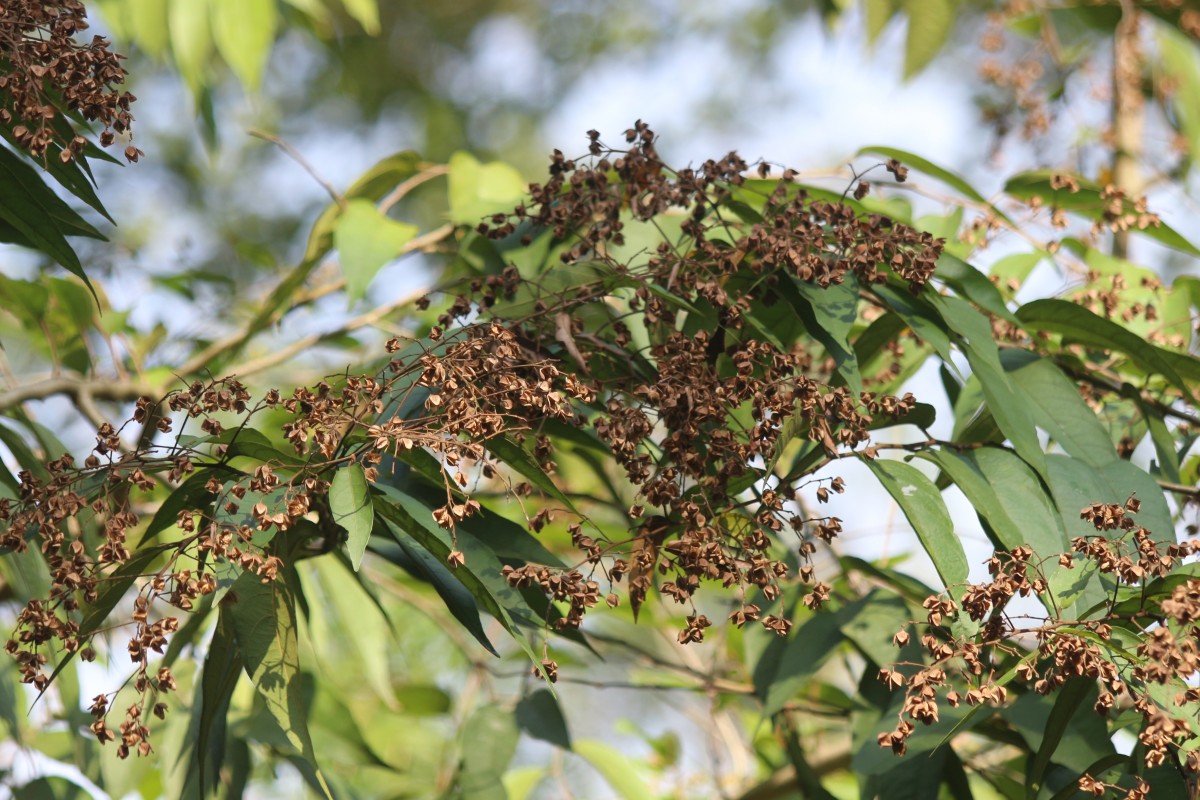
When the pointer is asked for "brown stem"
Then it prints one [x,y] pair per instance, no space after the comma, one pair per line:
[1128,120]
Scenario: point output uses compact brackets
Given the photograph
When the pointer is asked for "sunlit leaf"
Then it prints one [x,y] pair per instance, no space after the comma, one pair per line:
[366,240]
[922,504]
[350,502]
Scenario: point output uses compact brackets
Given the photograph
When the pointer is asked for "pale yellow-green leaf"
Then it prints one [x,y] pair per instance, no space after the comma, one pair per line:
[929,25]
[366,240]
[244,31]
[366,13]
[878,13]
[146,22]
[191,40]
[480,190]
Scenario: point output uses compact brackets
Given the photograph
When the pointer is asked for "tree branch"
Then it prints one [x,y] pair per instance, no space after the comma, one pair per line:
[83,391]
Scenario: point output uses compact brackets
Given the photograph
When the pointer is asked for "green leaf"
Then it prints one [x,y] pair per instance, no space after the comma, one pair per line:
[489,743]
[1004,400]
[871,622]
[366,240]
[191,40]
[922,504]
[263,616]
[929,26]
[1015,267]
[192,493]
[922,318]
[878,14]
[522,461]
[829,315]
[1069,701]
[480,190]
[1164,443]
[365,13]
[1008,495]
[1076,485]
[1054,401]
[206,735]
[972,284]
[789,664]
[951,179]
[244,31]
[350,502]
[617,770]
[41,218]
[1086,202]
[539,716]
[1079,324]
[481,572]
[457,597]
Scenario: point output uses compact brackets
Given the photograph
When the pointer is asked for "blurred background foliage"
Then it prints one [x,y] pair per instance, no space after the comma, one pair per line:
[221,260]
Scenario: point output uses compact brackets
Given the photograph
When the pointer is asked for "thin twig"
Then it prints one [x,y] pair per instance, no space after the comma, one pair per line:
[299,159]
[403,188]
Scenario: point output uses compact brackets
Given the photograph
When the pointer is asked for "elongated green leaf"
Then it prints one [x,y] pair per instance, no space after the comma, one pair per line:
[829,314]
[244,31]
[789,664]
[1164,443]
[489,743]
[1076,484]
[458,599]
[481,572]
[1087,202]
[618,771]
[205,747]
[263,617]
[1081,325]
[924,320]
[1057,408]
[521,461]
[1008,495]
[37,214]
[540,716]
[191,40]
[973,285]
[341,610]
[192,493]
[951,179]
[1005,402]
[366,240]
[365,13]
[350,502]
[878,13]
[929,26]
[922,504]
[1069,701]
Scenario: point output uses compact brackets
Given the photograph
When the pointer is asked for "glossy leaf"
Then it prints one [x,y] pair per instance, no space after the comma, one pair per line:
[365,13]
[830,314]
[350,502]
[1005,402]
